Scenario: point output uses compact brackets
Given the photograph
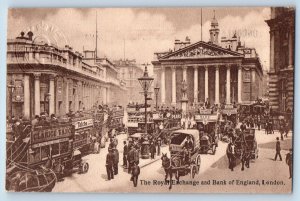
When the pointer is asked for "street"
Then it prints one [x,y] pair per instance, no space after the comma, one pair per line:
[214,174]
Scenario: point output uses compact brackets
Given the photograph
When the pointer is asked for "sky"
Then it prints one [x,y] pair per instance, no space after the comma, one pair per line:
[136,33]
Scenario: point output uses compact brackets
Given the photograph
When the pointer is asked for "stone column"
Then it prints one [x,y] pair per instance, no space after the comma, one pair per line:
[195,84]
[104,95]
[173,85]
[67,95]
[26,96]
[217,86]
[184,73]
[239,83]
[37,96]
[52,95]
[163,85]
[76,98]
[291,48]
[228,85]
[206,83]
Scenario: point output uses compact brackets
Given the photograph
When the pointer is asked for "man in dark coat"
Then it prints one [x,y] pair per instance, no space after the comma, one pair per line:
[158,146]
[109,164]
[230,155]
[116,160]
[189,144]
[125,152]
[278,149]
[289,162]
[152,150]
[243,126]
[135,174]
[130,158]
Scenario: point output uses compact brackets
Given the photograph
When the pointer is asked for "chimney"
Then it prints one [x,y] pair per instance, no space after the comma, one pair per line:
[187,41]
[177,45]
[30,34]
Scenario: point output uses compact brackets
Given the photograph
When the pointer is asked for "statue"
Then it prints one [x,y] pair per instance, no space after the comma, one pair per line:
[184,89]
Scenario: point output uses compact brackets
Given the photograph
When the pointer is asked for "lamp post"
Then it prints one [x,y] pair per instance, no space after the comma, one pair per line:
[145,83]
[12,87]
[156,91]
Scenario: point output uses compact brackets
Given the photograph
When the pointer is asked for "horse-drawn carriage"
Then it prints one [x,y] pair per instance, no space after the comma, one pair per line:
[185,158]
[246,142]
[208,126]
[208,142]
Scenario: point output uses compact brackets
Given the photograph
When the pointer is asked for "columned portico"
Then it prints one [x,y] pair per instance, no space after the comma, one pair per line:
[184,68]
[52,93]
[67,95]
[163,85]
[26,96]
[195,84]
[206,83]
[173,85]
[37,101]
[239,86]
[217,85]
[228,84]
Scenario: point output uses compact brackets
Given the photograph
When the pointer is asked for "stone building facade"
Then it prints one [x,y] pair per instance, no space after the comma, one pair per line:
[44,78]
[129,72]
[282,55]
[219,71]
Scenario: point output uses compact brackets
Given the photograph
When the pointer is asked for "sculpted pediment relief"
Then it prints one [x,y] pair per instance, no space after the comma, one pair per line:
[200,51]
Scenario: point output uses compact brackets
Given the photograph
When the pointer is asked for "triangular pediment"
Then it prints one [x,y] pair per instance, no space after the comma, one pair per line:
[200,50]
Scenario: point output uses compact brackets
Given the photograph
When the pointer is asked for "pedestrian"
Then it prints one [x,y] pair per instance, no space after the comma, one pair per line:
[116,160]
[109,164]
[136,154]
[243,126]
[287,129]
[289,162]
[125,152]
[130,158]
[278,149]
[158,146]
[281,130]
[135,174]
[230,155]
[152,150]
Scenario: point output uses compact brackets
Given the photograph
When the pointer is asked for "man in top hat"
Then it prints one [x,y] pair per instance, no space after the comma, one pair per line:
[125,152]
[278,149]
[152,150]
[135,174]
[116,160]
[289,162]
[109,164]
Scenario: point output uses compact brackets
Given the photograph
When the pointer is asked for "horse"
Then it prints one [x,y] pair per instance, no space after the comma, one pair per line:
[31,181]
[245,158]
[167,165]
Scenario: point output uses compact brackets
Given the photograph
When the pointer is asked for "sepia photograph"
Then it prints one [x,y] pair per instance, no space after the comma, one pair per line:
[150,100]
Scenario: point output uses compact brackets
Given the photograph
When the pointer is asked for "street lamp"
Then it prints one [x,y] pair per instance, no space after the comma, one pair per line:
[145,83]
[156,91]
[12,87]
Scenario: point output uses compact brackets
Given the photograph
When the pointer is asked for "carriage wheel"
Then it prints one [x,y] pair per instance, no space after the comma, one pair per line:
[193,171]
[213,150]
[85,167]
[198,163]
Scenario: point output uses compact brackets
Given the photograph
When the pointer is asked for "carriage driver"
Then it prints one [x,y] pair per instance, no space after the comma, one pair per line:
[189,145]
[188,148]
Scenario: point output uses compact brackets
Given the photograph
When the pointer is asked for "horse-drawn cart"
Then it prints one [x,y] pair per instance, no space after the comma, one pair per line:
[185,158]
